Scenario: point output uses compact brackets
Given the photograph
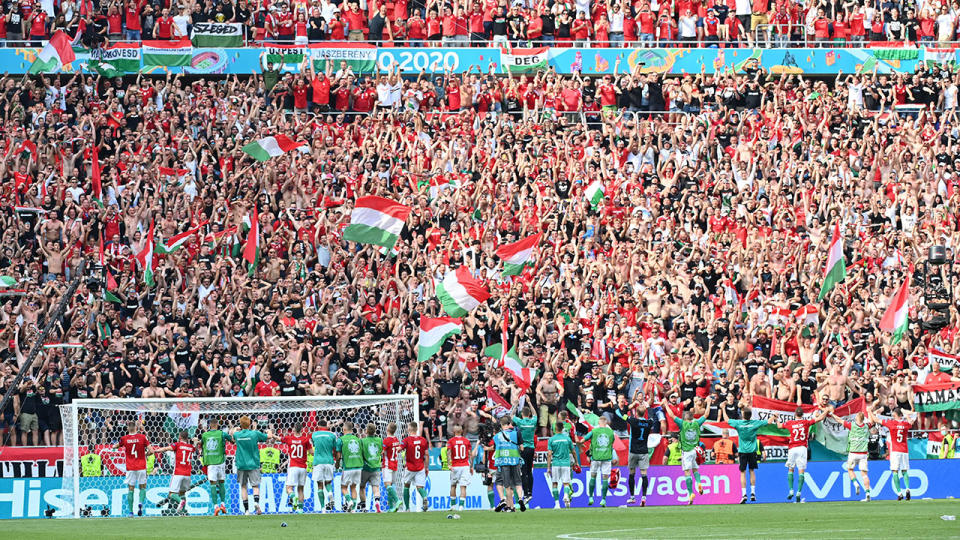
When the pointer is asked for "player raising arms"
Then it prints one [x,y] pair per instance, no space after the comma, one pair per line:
[391,457]
[298,446]
[461,458]
[352,461]
[640,428]
[135,448]
[857,455]
[559,453]
[799,431]
[899,426]
[689,440]
[182,470]
[372,448]
[747,429]
[415,452]
[213,456]
[247,461]
[601,459]
[325,444]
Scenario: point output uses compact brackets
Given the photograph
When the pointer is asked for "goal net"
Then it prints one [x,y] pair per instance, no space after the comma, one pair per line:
[94,479]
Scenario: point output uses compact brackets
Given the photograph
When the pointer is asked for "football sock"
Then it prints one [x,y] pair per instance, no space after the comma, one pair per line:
[743,491]
[591,484]
[562,491]
[222,488]
[491,497]
[800,484]
[896,482]
[174,499]
[753,489]
[422,492]
[790,480]
[143,497]
[214,493]
[604,486]
[320,496]
[690,486]
[129,501]
[553,491]
[905,481]
[453,502]
[462,501]
[644,484]
[391,496]
[256,501]
[632,480]
[406,496]
[696,476]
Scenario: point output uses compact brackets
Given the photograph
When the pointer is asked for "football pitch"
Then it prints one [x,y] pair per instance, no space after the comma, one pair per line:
[820,521]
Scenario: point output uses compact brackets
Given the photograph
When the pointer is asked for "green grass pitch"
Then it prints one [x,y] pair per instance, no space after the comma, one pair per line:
[818,521]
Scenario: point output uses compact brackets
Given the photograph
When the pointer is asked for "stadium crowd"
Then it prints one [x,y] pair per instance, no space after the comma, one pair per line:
[697,275]
[518,22]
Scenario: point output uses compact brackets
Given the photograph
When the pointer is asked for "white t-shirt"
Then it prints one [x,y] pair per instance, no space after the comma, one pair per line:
[688,26]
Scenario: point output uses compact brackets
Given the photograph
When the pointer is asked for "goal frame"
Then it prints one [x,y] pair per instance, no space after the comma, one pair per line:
[72,410]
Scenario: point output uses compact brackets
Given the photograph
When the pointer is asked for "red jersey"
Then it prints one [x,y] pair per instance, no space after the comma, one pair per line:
[416,452]
[799,432]
[391,452]
[458,450]
[898,434]
[182,454]
[135,451]
[298,445]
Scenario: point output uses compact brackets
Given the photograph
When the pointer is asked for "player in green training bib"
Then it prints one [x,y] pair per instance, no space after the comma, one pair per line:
[857,454]
[527,429]
[559,453]
[601,459]
[371,447]
[747,435]
[213,456]
[689,441]
[351,458]
[325,444]
[247,461]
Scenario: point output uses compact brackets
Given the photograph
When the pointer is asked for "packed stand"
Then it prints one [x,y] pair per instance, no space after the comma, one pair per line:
[716,222]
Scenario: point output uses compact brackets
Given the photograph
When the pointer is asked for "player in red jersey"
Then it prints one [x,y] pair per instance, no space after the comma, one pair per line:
[799,429]
[391,457]
[899,426]
[298,446]
[135,447]
[460,456]
[415,449]
[182,469]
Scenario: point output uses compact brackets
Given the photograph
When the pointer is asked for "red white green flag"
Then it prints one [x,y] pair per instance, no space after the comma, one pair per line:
[895,319]
[518,255]
[376,220]
[433,333]
[251,252]
[836,270]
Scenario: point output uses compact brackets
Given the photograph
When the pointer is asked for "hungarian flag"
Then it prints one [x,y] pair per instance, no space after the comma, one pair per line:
[836,267]
[95,174]
[525,60]
[433,332]
[168,53]
[945,362]
[278,145]
[773,411]
[181,174]
[359,57]
[522,375]
[588,419]
[496,398]
[441,183]
[460,293]
[57,53]
[145,258]
[376,220]
[251,252]
[29,147]
[935,397]
[177,241]
[895,318]
[807,315]
[517,255]
[594,193]
[7,281]
[111,283]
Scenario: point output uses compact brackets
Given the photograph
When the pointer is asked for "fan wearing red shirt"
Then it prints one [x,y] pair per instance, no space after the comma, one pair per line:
[38,25]
[182,469]
[164,27]
[415,450]
[799,430]
[321,91]
[131,16]
[135,448]
[298,446]
[266,387]
[300,95]
[899,453]
[458,451]
[391,457]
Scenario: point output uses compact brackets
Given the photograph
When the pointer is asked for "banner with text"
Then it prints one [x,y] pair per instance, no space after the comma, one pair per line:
[216,34]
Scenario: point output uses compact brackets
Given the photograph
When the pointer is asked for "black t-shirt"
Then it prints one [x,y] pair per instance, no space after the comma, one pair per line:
[806,388]
[639,430]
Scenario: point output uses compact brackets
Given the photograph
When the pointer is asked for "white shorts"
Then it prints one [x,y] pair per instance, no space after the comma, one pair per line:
[855,459]
[350,477]
[388,476]
[602,467]
[137,478]
[797,458]
[459,476]
[323,472]
[899,461]
[179,484]
[688,460]
[296,476]
[217,473]
[417,478]
[561,475]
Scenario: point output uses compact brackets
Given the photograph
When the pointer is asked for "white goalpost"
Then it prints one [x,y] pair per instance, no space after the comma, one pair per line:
[94,471]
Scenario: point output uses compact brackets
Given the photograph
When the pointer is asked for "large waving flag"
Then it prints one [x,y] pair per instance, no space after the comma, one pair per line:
[376,220]
[460,293]
[145,257]
[895,318]
[57,53]
[773,411]
[594,193]
[836,267]
[251,252]
[177,241]
[277,145]
[517,255]
[433,332]
[522,375]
